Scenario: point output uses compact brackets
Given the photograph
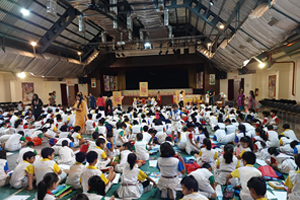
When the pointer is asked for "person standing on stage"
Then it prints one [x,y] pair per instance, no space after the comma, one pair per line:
[181,100]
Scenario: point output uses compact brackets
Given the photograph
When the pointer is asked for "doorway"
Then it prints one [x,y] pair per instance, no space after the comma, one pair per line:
[236,88]
[71,95]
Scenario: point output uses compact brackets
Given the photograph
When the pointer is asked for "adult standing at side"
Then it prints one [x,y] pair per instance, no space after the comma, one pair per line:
[37,105]
[101,102]
[158,98]
[211,97]
[81,111]
[92,101]
[51,99]
[251,100]
[240,99]
[108,106]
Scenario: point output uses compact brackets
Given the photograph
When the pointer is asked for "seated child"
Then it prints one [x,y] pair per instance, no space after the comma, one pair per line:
[135,129]
[78,140]
[190,189]
[101,128]
[96,189]
[245,145]
[90,124]
[91,170]
[274,121]
[29,147]
[288,133]
[287,145]
[23,175]
[48,183]
[76,170]
[221,136]
[103,159]
[207,154]
[258,188]
[280,161]
[92,144]
[125,150]
[206,181]
[225,164]
[65,154]
[241,133]
[15,142]
[134,182]
[146,135]
[261,150]
[47,164]
[63,132]
[110,148]
[292,181]
[140,147]
[229,127]
[120,135]
[245,173]
[4,176]
[191,144]
[272,135]
[169,165]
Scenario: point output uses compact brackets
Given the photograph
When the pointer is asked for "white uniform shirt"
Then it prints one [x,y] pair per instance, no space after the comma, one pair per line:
[22,152]
[74,175]
[21,170]
[141,151]
[291,134]
[194,196]
[273,140]
[88,172]
[44,166]
[66,156]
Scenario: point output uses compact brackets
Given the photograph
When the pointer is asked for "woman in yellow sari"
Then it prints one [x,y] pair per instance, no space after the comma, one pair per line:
[81,112]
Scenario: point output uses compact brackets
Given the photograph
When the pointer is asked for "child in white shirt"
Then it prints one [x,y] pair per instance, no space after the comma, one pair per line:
[206,155]
[90,124]
[189,187]
[140,147]
[4,177]
[120,135]
[75,171]
[65,154]
[23,174]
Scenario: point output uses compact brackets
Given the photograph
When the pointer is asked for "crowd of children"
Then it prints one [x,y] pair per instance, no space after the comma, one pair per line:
[121,142]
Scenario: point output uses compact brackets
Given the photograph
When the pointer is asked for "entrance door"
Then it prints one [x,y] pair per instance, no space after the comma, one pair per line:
[71,95]
[236,87]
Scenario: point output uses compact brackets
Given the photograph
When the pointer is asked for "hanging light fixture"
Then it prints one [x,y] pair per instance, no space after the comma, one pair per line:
[211,2]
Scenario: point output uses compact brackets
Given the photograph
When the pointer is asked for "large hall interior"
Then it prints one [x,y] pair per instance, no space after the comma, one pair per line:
[149,99]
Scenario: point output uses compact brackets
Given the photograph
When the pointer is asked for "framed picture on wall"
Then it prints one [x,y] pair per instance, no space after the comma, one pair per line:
[212,79]
[272,86]
[27,92]
[93,83]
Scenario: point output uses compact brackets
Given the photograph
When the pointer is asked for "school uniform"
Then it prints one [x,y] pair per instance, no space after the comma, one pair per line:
[76,137]
[213,121]
[4,178]
[205,181]
[44,166]
[273,140]
[22,152]
[194,196]
[50,133]
[90,126]
[285,163]
[290,133]
[147,137]
[175,118]
[245,173]
[48,196]
[261,152]
[101,130]
[169,168]
[19,177]
[74,175]
[87,173]
[240,135]
[160,137]
[65,156]
[274,120]
[181,144]
[207,156]
[14,142]
[130,187]
[123,161]
[225,169]
[230,128]
[189,147]
[159,128]
[293,183]
[63,135]
[101,162]
[93,196]
[110,153]
[222,137]
[140,147]
[118,141]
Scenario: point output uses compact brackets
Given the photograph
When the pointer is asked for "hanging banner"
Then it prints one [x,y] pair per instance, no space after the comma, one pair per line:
[27,92]
[143,89]
[212,79]
[117,98]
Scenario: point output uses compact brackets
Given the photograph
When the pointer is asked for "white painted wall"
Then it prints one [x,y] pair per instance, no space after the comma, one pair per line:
[260,80]
[11,87]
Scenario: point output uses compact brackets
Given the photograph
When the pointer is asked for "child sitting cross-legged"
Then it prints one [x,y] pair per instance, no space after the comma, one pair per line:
[130,187]
[23,175]
[75,171]
[190,189]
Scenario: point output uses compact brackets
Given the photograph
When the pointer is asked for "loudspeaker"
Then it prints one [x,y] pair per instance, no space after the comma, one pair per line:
[83,80]
[244,70]
[221,75]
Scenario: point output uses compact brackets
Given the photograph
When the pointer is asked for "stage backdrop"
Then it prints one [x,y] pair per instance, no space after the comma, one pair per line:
[157,78]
